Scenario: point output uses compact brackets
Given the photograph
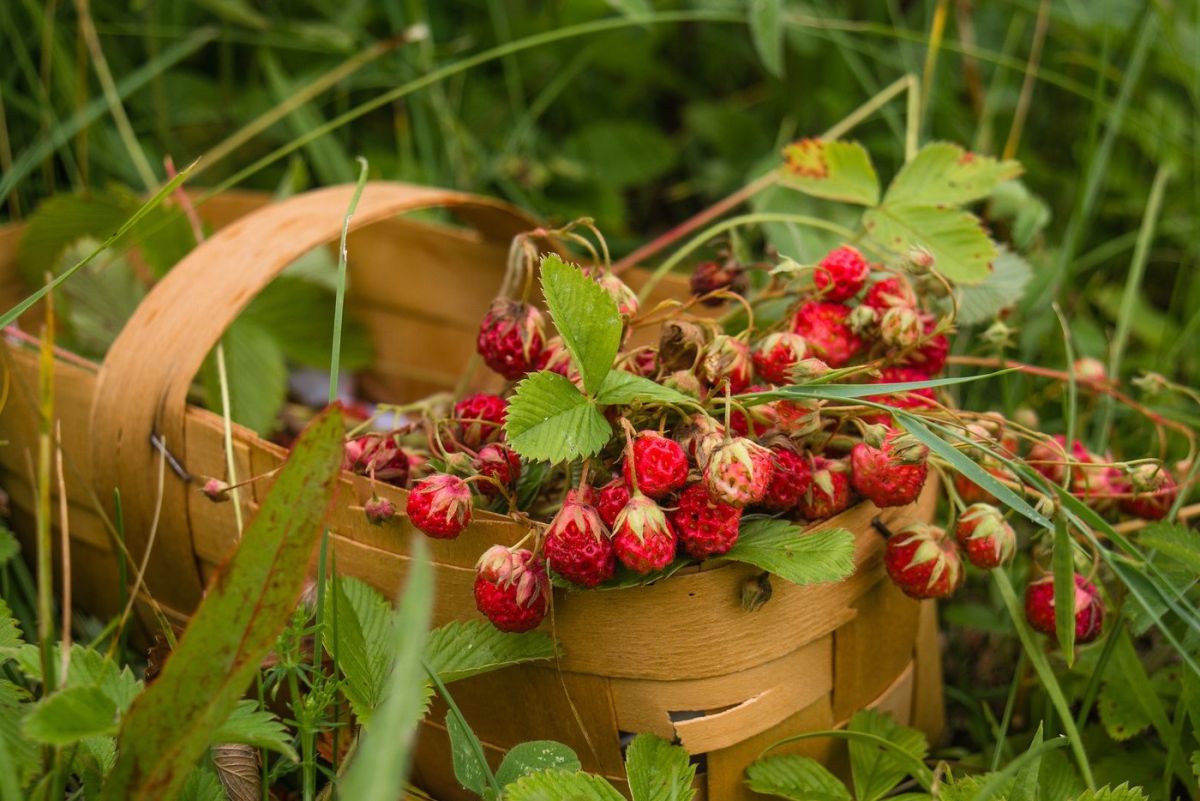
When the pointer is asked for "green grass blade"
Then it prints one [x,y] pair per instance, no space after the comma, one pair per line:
[1064,589]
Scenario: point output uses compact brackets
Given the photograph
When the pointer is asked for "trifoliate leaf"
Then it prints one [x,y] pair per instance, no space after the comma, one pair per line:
[550,420]
[1122,792]
[795,777]
[945,173]
[658,771]
[831,170]
[70,715]
[785,550]
[534,756]
[1003,287]
[364,642]
[561,785]
[586,317]
[874,769]
[620,388]
[258,727]
[465,648]
[961,248]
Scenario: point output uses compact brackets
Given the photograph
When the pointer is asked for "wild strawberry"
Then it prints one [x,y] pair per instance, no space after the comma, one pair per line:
[807,369]
[511,338]
[710,276]
[440,506]
[900,327]
[986,536]
[1089,608]
[379,510]
[625,298]
[480,419]
[796,418]
[727,360]
[923,562]
[841,274]
[830,492]
[1156,492]
[1090,370]
[643,537]
[738,472]
[790,480]
[511,588]
[1049,457]
[611,499]
[1094,479]
[890,293]
[825,329]
[578,545]
[931,351]
[909,399]
[217,490]
[705,527]
[970,492]
[659,465]
[378,455]
[699,437]
[684,381]
[890,475]
[498,462]
[776,354]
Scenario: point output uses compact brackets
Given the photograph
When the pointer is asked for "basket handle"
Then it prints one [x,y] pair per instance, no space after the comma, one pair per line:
[142,387]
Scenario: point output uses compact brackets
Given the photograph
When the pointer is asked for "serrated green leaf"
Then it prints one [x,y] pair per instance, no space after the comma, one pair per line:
[380,766]
[766,29]
[833,170]
[784,549]
[1002,289]
[1059,780]
[1026,782]
[658,771]
[1120,711]
[620,388]
[10,631]
[1122,792]
[561,785]
[960,246]
[1063,561]
[258,727]
[550,420]
[945,173]
[586,317]
[257,373]
[535,756]
[465,648]
[874,770]
[795,777]
[21,752]
[363,644]
[1174,541]
[71,714]
[202,785]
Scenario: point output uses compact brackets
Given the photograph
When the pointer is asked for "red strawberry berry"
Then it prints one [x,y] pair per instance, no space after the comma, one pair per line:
[776,354]
[827,332]
[910,399]
[841,274]
[578,545]
[378,455]
[890,293]
[830,491]
[659,465]
[611,499]
[480,419]
[699,436]
[986,536]
[710,276]
[500,463]
[727,360]
[440,506]
[511,588]
[900,327]
[1048,457]
[738,472]
[923,562]
[1156,492]
[1089,608]
[790,480]
[886,477]
[643,537]
[930,355]
[379,510]
[511,338]
[970,492]
[704,527]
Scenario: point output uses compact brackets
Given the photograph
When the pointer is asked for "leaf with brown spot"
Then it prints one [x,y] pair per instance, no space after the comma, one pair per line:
[170,725]
[832,170]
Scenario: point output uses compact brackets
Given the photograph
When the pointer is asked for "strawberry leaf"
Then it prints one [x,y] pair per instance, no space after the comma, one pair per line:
[1003,287]
[802,557]
[831,170]
[561,785]
[550,420]
[461,649]
[795,777]
[586,318]
[961,248]
[945,173]
[658,771]
[620,388]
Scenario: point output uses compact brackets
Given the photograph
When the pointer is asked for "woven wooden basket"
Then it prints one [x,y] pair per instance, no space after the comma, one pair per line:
[680,659]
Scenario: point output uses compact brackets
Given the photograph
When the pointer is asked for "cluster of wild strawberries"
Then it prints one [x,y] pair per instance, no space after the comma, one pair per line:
[678,483]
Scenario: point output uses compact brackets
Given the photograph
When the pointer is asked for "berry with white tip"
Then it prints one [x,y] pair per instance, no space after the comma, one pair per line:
[923,562]
[986,536]
[440,506]
[738,472]
[890,475]
[643,537]
[829,492]
[777,354]
[511,588]
[1089,608]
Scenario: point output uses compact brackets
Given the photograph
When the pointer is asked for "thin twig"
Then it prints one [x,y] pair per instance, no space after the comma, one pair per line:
[1031,71]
